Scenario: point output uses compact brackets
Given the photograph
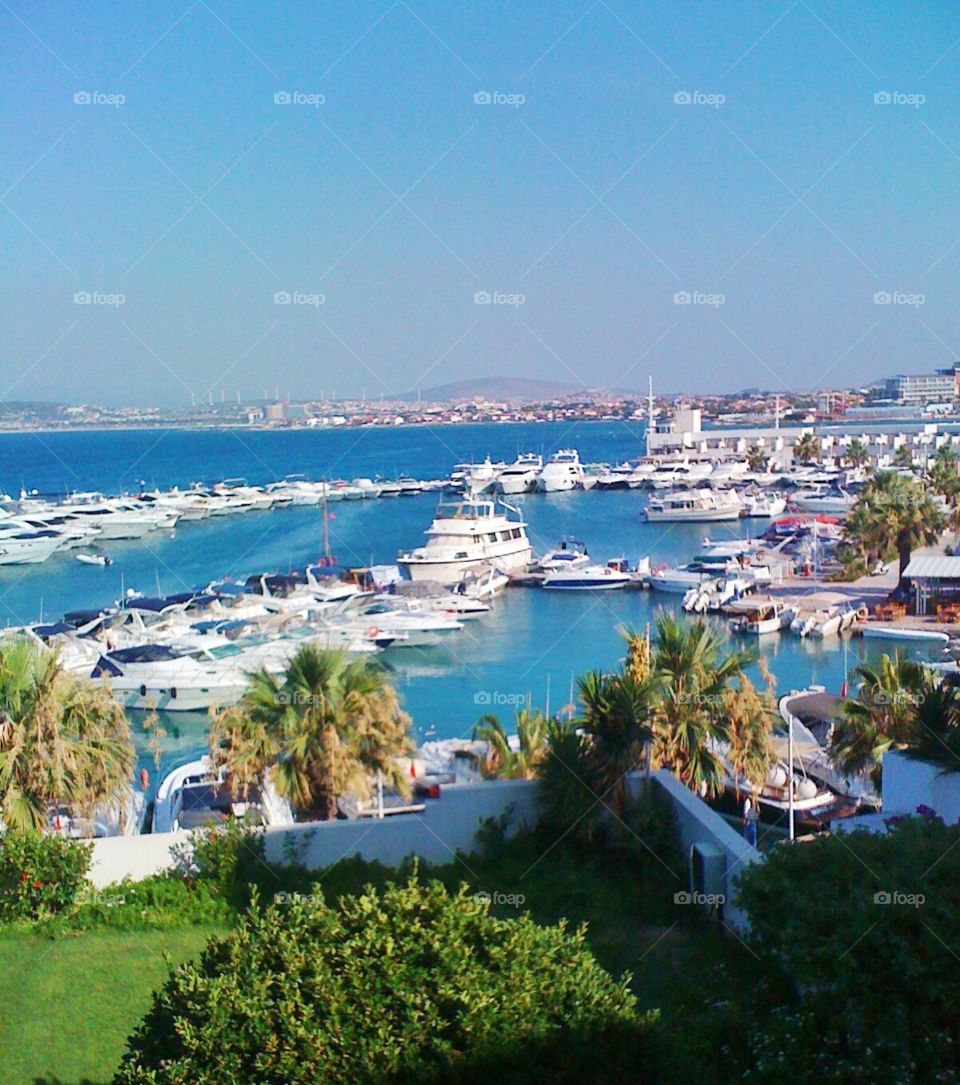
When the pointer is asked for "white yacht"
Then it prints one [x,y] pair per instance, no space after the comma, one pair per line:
[694,506]
[562,471]
[466,534]
[834,502]
[152,676]
[764,504]
[823,614]
[570,554]
[521,475]
[589,577]
[678,473]
[190,797]
[757,617]
[19,547]
[679,580]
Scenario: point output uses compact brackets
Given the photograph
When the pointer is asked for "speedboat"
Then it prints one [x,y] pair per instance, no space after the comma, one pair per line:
[713,595]
[97,558]
[680,579]
[675,473]
[589,577]
[152,676]
[763,504]
[191,796]
[521,475]
[693,506]
[403,622]
[823,614]
[758,617]
[561,472]
[837,502]
[465,535]
[570,554]
[615,478]
[895,632]
[28,547]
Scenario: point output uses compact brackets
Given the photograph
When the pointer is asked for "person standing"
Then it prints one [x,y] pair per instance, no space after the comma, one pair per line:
[751,815]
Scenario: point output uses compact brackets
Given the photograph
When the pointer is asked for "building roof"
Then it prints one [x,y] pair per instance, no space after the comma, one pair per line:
[934,567]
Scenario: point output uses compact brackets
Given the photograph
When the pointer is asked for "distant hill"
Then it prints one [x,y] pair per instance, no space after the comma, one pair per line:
[496,388]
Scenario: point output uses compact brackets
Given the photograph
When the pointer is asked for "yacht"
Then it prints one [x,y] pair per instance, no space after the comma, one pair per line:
[758,617]
[152,676]
[678,473]
[589,577]
[561,472]
[570,554]
[763,504]
[615,478]
[191,796]
[694,506]
[715,595]
[367,487]
[466,534]
[679,580]
[836,502]
[483,477]
[405,622]
[521,475]
[19,547]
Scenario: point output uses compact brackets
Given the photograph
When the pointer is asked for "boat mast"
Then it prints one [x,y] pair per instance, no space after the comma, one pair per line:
[326,530]
[649,411]
[790,770]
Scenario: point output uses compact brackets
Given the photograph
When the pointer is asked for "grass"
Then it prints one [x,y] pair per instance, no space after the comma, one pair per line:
[69,1005]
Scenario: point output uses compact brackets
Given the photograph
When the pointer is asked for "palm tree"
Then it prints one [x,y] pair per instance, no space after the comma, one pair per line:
[616,720]
[893,514]
[757,458]
[883,716]
[566,798]
[807,449]
[690,680]
[327,728]
[944,473]
[936,734]
[62,741]
[903,457]
[857,454]
[502,762]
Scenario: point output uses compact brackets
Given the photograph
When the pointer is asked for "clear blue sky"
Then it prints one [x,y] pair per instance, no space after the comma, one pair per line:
[598,198]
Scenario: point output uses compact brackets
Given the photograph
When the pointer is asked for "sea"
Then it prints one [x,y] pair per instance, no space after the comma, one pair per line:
[529,649]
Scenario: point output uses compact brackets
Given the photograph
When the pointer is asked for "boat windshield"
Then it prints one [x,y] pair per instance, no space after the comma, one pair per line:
[464,510]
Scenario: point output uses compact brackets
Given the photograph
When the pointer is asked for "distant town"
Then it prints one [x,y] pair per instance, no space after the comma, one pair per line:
[493,400]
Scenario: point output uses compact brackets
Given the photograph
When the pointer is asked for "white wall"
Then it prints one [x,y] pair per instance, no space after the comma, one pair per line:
[446,826]
[908,784]
[700,824]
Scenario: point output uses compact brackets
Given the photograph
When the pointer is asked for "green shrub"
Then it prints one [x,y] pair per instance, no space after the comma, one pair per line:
[413,984]
[860,931]
[159,902]
[40,874]
[651,834]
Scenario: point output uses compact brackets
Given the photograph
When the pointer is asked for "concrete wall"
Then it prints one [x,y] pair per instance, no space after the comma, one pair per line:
[699,824]
[908,784]
[446,826]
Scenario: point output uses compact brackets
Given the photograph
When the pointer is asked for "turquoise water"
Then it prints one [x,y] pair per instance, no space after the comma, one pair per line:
[532,643]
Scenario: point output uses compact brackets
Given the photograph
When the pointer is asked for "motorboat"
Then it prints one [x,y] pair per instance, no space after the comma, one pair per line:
[191,796]
[589,577]
[482,477]
[693,506]
[823,614]
[616,478]
[759,617]
[28,547]
[465,535]
[367,487]
[678,580]
[570,554]
[764,504]
[676,473]
[563,471]
[152,676]
[96,558]
[897,632]
[521,475]
[405,622]
[838,502]
[716,594]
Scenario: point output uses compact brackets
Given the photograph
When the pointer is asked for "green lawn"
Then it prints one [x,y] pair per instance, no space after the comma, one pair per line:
[67,1007]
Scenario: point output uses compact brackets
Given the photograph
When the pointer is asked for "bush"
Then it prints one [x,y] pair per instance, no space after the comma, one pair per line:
[40,874]
[413,984]
[160,902]
[860,932]
[652,835]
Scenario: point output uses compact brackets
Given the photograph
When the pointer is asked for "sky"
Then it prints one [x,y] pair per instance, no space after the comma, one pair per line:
[374,197]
